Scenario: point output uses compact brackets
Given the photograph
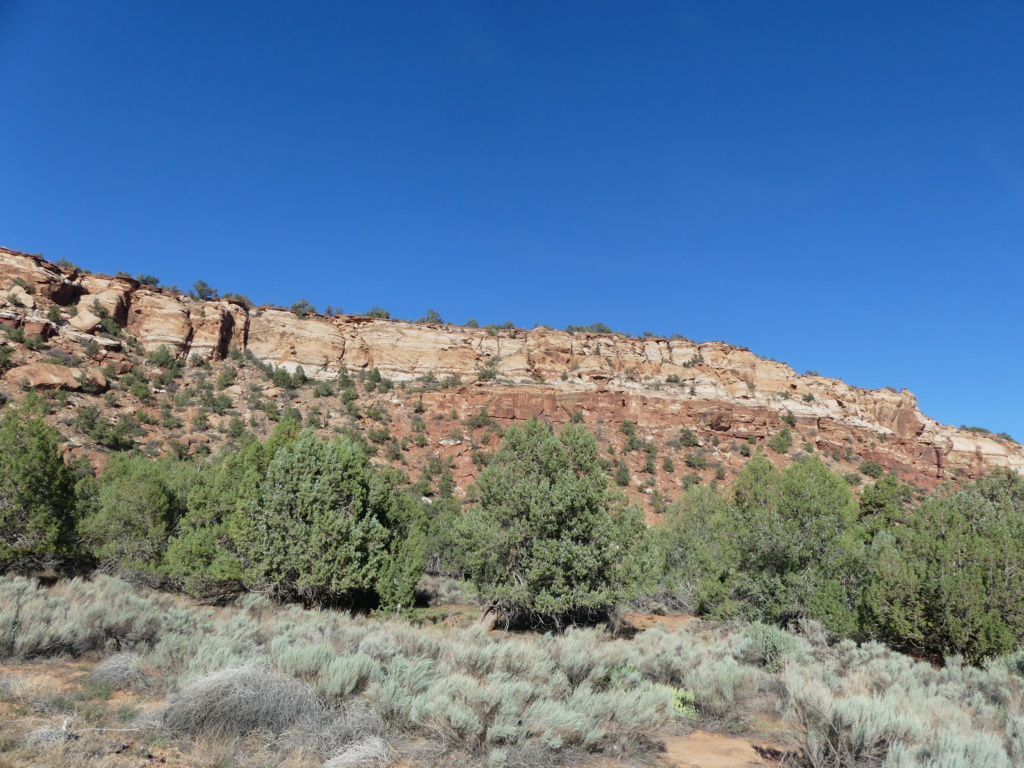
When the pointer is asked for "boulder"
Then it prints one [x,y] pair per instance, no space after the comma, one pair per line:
[85,321]
[48,376]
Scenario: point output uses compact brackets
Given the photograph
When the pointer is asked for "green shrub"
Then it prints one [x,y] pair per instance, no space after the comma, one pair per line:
[202,291]
[622,475]
[781,441]
[800,549]
[479,420]
[163,357]
[697,461]
[236,428]
[697,359]
[684,703]
[872,469]
[281,378]
[688,438]
[117,436]
[592,328]
[432,317]
[698,548]
[143,417]
[226,377]
[29,289]
[489,370]
[769,646]
[649,463]
[302,308]
[219,404]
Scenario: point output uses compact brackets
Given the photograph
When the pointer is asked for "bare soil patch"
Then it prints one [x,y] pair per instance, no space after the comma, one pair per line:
[701,749]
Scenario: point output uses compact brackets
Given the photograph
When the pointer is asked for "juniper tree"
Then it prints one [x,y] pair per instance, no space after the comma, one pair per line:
[203,553]
[137,504]
[948,580]
[700,550]
[546,540]
[800,547]
[324,526]
[37,500]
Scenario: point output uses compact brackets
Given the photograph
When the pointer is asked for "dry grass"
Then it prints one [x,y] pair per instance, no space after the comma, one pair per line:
[259,685]
[240,700]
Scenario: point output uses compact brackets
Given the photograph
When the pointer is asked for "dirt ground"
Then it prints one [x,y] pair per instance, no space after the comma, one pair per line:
[711,750]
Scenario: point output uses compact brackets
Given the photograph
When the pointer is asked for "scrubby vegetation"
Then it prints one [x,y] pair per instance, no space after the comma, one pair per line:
[544,539]
[545,536]
[934,579]
[326,682]
[270,685]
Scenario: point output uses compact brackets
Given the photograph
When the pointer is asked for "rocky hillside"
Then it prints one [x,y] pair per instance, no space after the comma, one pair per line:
[670,411]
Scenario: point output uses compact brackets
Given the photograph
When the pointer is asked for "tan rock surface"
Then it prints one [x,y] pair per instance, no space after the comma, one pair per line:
[85,321]
[156,319]
[47,279]
[21,297]
[286,341]
[51,376]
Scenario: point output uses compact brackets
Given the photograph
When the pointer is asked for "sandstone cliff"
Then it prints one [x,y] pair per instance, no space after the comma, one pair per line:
[725,393]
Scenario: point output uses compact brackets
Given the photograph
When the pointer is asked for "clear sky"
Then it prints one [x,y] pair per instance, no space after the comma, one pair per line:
[836,185]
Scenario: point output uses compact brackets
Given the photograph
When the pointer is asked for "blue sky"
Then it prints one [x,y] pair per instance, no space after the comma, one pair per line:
[836,185]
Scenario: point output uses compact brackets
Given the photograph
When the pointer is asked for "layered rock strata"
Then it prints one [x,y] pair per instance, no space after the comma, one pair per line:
[660,384]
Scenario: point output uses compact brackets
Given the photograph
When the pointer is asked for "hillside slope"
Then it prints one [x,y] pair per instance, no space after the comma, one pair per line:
[83,334]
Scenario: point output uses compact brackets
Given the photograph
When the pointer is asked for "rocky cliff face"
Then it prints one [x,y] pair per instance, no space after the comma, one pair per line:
[724,393]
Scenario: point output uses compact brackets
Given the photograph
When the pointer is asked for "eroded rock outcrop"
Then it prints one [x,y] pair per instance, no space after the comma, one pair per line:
[46,376]
[660,384]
